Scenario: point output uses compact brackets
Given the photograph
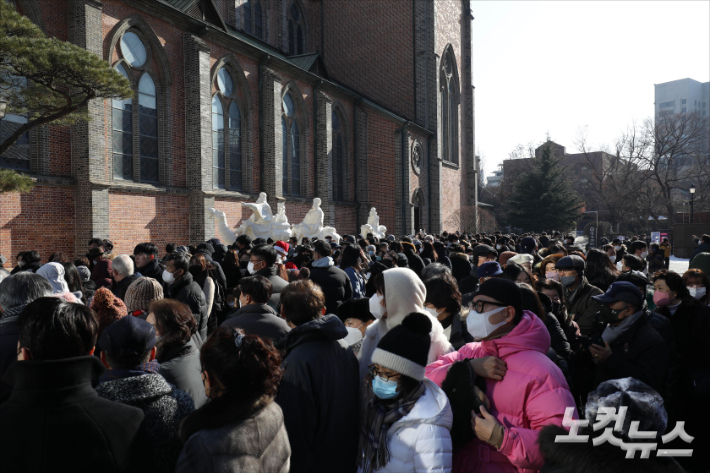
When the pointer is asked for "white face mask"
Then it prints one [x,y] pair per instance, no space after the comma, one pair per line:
[479,326]
[617,248]
[697,292]
[20,263]
[250,268]
[434,313]
[375,307]
[354,335]
[644,255]
[168,277]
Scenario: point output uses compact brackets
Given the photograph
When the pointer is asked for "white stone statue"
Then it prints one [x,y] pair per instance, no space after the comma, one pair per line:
[373,226]
[259,224]
[228,236]
[280,228]
[312,225]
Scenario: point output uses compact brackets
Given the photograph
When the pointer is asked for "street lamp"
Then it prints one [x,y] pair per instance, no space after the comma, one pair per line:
[692,196]
[596,231]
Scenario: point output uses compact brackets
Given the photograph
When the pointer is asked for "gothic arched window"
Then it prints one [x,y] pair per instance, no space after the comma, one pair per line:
[295,30]
[449,108]
[338,159]
[226,135]
[291,152]
[253,18]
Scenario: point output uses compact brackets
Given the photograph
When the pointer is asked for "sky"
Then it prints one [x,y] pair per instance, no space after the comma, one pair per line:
[557,67]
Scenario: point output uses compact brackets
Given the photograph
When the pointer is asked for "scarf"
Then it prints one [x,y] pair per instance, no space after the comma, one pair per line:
[150,367]
[324,262]
[611,334]
[572,294]
[379,417]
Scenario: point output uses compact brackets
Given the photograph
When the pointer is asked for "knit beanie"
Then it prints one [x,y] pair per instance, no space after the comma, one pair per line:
[405,348]
[107,307]
[84,273]
[141,293]
[504,291]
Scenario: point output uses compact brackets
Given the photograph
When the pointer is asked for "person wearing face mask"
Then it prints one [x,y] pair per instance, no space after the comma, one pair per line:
[262,262]
[547,268]
[697,283]
[578,293]
[399,293]
[146,259]
[526,389]
[443,301]
[334,281]
[183,288]
[690,320]
[356,316]
[176,350]
[406,422]
[620,249]
[253,314]
[632,347]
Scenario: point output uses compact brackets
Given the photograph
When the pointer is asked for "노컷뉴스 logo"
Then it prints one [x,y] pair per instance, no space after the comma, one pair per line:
[606,415]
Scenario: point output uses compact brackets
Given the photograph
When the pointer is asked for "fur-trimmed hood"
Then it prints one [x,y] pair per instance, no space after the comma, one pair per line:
[585,458]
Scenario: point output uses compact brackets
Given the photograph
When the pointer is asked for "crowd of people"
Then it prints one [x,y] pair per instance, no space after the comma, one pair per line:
[455,352]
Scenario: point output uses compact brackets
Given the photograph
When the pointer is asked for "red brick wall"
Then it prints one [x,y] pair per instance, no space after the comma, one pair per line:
[159,219]
[377,35]
[345,220]
[42,220]
[381,168]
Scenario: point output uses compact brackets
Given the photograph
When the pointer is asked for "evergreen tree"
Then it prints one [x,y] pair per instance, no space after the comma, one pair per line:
[543,199]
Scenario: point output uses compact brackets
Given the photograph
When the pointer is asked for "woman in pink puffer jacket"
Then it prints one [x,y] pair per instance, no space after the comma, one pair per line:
[531,394]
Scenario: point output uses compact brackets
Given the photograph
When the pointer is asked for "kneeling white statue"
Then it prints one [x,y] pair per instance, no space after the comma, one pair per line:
[373,226]
[312,225]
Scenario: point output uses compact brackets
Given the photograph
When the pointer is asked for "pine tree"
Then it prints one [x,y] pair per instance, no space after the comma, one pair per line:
[542,199]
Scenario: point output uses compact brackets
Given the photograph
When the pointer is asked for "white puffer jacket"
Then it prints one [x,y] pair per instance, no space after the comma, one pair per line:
[420,442]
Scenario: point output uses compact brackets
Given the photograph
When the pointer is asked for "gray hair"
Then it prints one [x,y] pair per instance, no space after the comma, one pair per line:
[23,288]
[123,265]
[433,270]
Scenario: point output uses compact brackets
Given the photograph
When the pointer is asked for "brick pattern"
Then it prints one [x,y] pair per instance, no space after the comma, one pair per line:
[159,219]
[43,220]
[324,154]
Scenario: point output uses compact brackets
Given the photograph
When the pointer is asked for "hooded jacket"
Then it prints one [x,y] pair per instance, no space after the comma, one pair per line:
[164,407]
[277,282]
[420,442]
[259,319]
[187,291]
[404,293]
[319,396]
[334,282]
[532,394]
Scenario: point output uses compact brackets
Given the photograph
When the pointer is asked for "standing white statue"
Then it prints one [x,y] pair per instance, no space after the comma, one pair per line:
[373,226]
[312,225]
[280,228]
[228,236]
[256,226]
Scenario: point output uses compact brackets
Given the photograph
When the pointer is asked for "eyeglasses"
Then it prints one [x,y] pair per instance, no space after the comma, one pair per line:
[373,371]
[255,261]
[480,305]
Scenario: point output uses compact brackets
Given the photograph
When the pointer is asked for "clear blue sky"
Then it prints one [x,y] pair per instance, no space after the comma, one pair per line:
[556,66]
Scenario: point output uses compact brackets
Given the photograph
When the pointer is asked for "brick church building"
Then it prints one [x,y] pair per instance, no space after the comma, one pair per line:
[360,103]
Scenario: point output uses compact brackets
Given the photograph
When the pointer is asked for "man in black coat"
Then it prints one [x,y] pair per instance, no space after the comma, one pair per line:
[54,420]
[183,288]
[319,390]
[255,317]
[632,347]
[262,262]
[334,282]
[146,255]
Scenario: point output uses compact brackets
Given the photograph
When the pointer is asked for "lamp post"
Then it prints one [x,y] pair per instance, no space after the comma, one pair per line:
[692,197]
[596,231]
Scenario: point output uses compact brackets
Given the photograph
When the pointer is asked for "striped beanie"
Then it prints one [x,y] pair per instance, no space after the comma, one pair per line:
[405,348]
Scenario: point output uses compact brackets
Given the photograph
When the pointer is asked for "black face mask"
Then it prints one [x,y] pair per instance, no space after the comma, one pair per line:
[611,316]
[243,264]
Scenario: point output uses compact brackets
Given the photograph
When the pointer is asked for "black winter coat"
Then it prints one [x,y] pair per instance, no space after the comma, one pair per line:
[9,336]
[586,458]
[119,288]
[277,282]
[180,365]
[415,262]
[153,270]
[187,291]
[164,407]
[639,353]
[459,333]
[558,339]
[319,397]
[259,319]
[335,284]
[55,422]
[31,267]
[702,248]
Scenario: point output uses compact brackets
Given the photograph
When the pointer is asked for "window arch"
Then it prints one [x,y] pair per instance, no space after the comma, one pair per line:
[226,134]
[338,158]
[253,19]
[135,121]
[291,146]
[296,30]
[449,86]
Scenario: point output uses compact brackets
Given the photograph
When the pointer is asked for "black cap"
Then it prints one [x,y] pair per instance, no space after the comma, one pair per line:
[488,269]
[570,262]
[621,291]
[128,336]
[483,250]
[528,244]
[504,291]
